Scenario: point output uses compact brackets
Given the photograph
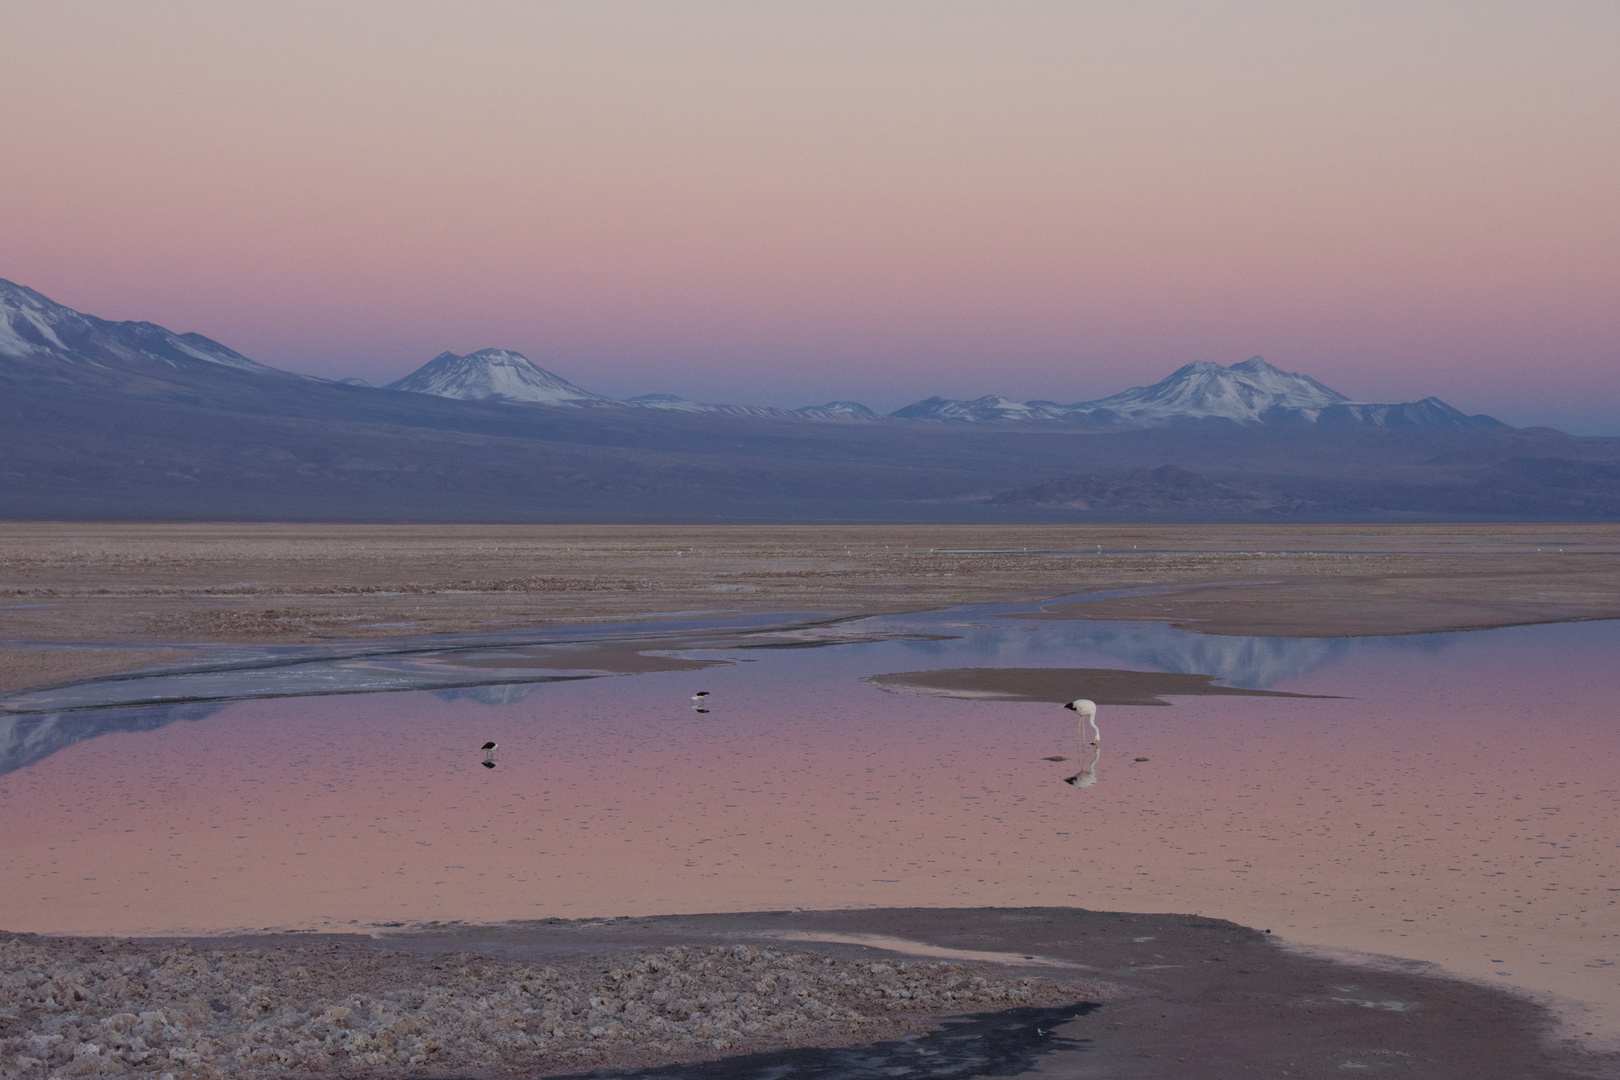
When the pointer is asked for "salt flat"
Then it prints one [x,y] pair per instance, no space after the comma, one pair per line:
[84,595]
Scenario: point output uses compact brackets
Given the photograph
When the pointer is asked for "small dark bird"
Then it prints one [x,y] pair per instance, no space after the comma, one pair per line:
[490,746]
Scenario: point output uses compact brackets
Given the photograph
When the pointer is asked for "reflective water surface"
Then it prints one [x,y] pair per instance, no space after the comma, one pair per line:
[1454,802]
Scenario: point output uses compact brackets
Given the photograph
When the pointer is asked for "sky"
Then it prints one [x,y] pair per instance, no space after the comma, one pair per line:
[788,203]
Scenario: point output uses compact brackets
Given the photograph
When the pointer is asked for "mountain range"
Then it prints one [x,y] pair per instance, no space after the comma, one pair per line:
[122,420]
[36,330]
[1249,393]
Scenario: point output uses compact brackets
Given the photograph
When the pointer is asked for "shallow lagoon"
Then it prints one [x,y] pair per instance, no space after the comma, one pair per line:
[1455,803]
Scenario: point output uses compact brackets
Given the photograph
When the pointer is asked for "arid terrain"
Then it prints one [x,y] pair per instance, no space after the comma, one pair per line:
[78,600]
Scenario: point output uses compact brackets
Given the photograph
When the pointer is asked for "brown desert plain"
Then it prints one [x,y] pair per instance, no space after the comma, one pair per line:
[1059,991]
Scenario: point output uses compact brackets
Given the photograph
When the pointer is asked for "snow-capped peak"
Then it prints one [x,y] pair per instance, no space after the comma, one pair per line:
[494,375]
[33,326]
[1243,393]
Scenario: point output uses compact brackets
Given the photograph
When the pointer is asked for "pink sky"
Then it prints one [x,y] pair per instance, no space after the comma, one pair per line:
[789,203]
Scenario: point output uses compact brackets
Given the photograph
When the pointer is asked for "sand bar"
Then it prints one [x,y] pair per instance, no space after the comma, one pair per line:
[1104,686]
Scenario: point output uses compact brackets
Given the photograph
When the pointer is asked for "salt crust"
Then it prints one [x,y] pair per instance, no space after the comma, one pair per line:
[101,1007]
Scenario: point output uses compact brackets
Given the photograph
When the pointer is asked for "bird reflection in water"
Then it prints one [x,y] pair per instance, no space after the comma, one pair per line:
[489,749]
[1089,734]
[700,701]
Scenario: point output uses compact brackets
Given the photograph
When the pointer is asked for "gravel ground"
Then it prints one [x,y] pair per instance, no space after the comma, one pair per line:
[102,1007]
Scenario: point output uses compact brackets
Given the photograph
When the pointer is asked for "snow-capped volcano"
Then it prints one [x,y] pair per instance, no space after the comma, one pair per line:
[1249,393]
[1244,393]
[34,327]
[494,375]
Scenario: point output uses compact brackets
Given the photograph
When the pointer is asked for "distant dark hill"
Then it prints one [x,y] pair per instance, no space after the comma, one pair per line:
[1503,488]
[1166,490]
[130,421]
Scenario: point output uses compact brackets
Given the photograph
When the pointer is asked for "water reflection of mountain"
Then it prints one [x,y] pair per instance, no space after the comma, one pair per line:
[1256,663]
[32,737]
[498,694]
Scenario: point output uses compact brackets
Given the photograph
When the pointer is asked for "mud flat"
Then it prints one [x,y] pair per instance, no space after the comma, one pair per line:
[126,589]
[1044,992]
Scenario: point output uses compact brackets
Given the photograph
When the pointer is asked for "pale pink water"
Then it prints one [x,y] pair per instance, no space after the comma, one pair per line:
[1461,808]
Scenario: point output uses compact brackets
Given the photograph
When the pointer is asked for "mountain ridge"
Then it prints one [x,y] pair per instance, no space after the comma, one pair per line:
[1249,393]
[36,329]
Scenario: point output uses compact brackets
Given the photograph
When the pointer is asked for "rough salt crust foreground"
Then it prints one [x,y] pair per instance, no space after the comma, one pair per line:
[100,1007]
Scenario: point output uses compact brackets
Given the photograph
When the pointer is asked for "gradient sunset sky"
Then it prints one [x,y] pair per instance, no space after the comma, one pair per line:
[784,203]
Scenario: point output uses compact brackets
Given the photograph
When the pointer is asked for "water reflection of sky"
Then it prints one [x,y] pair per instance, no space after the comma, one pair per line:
[35,724]
[1456,803]
[987,636]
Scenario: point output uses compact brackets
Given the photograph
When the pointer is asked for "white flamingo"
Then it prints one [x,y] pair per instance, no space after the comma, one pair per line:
[1088,719]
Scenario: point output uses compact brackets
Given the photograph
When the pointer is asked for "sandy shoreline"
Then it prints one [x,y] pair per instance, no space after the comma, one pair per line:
[1158,994]
[81,599]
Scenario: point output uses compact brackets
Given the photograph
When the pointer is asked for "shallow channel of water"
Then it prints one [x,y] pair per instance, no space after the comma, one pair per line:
[1455,803]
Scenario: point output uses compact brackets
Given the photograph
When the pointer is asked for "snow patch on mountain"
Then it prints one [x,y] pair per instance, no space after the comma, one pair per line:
[985,409]
[837,410]
[494,375]
[680,404]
